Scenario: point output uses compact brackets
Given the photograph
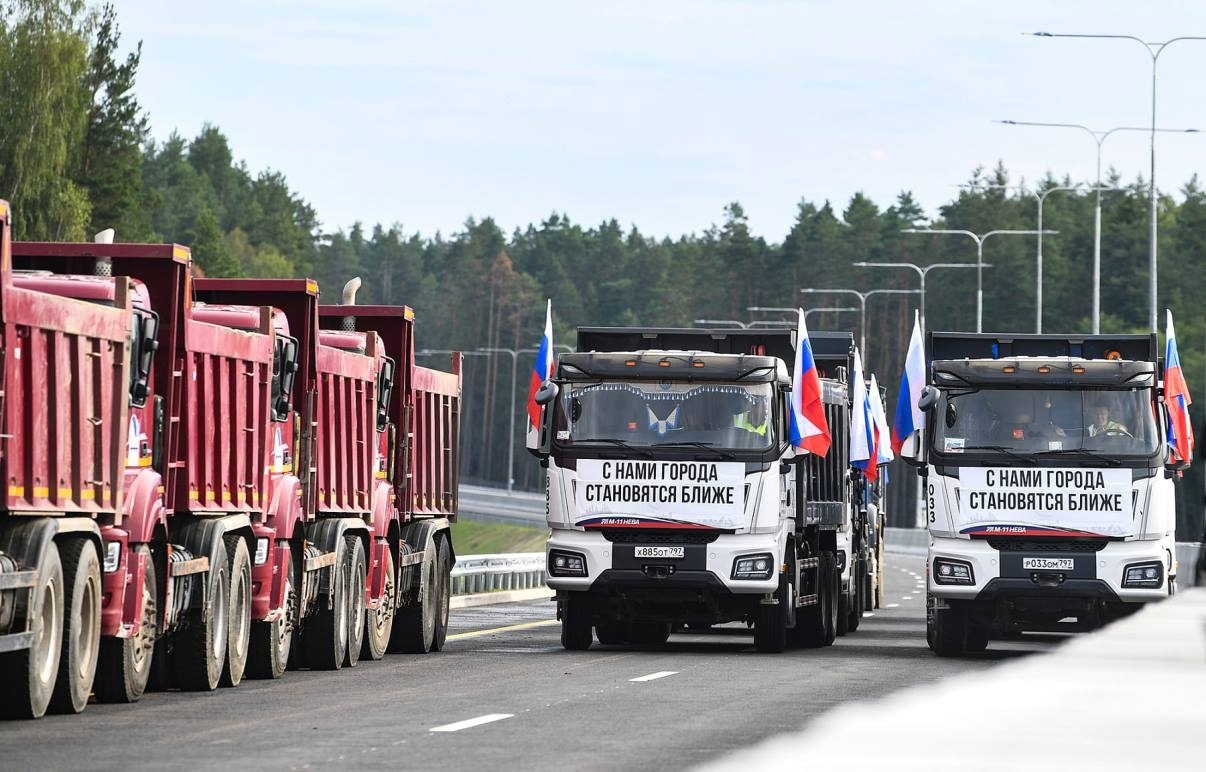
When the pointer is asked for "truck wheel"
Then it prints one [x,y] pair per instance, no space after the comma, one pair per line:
[28,675]
[444,601]
[200,648]
[81,626]
[575,622]
[649,633]
[833,588]
[271,642]
[124,668]
[950,632]
[325,639]
[611,633]
[977,638]
[380,623]
[239,629]
[414,629]
[857,597]
[357,578]
[770,626]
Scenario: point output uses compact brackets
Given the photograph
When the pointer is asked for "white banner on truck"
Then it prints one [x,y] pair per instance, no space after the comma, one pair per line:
[708,493]
[1086,500]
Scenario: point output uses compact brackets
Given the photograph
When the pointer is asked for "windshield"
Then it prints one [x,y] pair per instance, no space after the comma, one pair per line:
[1105,422]
[667,414]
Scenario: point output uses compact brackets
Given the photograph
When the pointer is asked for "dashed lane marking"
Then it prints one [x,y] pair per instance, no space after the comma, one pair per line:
[891,605]
[506,629]
[472,722]
[868,614]
[654,676]
[906,597]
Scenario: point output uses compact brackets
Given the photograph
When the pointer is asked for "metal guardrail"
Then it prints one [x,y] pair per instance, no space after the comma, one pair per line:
[488,573]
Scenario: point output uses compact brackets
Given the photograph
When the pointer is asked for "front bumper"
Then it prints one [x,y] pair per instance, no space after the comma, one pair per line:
[706,565]
[1098,575]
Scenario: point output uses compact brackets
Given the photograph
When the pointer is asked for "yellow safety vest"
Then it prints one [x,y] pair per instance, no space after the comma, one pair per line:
[740,422]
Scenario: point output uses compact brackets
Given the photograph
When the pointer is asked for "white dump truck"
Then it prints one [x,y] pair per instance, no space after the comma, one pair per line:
[1048,489]
[675,498]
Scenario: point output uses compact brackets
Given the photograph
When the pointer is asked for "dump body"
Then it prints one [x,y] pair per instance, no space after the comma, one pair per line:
[424,404]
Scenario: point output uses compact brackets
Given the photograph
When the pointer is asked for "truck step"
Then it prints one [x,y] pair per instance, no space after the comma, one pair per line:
[806,600]
[194,566]
[320,561]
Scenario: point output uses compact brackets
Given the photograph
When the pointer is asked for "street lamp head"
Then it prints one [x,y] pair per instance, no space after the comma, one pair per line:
[1039,34]
[1005,120]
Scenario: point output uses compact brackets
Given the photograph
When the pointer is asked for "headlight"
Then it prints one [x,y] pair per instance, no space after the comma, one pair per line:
[261,551]
[947,571]
[754,567]
[563,563]
[1149,574]
[112,556]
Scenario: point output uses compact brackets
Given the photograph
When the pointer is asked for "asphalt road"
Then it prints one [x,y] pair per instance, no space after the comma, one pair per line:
[505,695]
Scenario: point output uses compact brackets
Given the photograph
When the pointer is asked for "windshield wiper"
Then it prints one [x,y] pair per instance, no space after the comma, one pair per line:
[1002,449]
[696,444]
[1080,452]
[617,443]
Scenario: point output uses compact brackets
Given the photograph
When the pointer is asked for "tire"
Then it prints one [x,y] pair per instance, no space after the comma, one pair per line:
[272,642]
[649,633]
[379,624]
[950,632]
[199,653]
[239,627]
[415,627]
[325,639]
[124,669]
[29,675]
[613,633]
[770,626]
[575,622]
[977,639]
[444,602]
[844,606]
[858,597]
[81,626]
[357,612]
[833,589]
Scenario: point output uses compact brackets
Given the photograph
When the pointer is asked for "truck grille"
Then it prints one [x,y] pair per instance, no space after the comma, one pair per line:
[1047,545]
[653,536]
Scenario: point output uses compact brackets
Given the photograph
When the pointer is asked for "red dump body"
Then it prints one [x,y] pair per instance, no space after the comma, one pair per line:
[64,364]
[425,405]
[215,381]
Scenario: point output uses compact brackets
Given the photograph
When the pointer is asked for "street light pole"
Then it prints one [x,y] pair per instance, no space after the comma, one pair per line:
[922,272]
[862,305]
[828,310]
[514,368]
[979,238]
[1099,137]
[1154,49]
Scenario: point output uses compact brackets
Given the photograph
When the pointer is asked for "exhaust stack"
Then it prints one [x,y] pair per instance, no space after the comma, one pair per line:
[104,266]
[349,299]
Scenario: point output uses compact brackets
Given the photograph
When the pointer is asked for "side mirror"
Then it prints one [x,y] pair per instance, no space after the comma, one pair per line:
[929,398]
[911,450]
[385,389]
[546,393]
[147,344]
[288,374]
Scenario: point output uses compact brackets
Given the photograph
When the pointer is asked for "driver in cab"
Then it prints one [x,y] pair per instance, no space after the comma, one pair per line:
[1103,424]
[753,419]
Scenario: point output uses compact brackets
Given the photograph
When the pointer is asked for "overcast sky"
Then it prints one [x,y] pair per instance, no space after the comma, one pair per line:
[659,112]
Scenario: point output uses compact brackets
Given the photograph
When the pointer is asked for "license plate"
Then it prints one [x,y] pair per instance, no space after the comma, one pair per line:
[1047,564]
[660,552]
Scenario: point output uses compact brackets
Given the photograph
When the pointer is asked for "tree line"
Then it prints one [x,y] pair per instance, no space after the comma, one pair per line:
[77,155]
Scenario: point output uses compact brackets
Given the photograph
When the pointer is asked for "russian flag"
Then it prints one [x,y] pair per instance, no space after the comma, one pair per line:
[862,424]
[809,430]
[883,448]
[909,417]
[1176,399]
[542,370]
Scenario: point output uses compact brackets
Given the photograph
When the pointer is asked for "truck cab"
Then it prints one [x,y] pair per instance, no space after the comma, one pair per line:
[1046,495]
[674,496]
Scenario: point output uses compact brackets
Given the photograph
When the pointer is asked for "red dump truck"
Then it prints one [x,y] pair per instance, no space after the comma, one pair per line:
[367,459]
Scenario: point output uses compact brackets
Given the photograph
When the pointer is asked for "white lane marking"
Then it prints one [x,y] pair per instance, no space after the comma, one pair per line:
[868,614]
[907,597]
[891,605]
[654,676]
[472,722]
